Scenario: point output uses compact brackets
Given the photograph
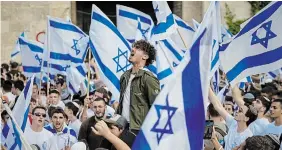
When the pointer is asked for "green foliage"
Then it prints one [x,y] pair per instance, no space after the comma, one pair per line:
[256,6]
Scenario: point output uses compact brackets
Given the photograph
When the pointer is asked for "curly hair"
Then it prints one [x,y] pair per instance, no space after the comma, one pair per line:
[259,142]
[147,48]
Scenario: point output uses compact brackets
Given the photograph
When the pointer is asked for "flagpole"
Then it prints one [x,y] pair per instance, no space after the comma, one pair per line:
[40,84]
[25,143]
[181,38]
[88,78]
[170,65]
[48,52]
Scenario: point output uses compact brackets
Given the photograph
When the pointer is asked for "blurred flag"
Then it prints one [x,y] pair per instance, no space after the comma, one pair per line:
[196,24]
[16,50]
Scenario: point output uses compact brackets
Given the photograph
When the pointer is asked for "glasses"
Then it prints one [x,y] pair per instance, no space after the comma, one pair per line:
[38,115]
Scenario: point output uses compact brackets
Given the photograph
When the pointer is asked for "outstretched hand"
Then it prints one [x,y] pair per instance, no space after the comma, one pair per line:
[101,128]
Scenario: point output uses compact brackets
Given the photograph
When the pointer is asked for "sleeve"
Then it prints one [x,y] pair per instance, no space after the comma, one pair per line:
[152,88]
[83,131]
[229,120]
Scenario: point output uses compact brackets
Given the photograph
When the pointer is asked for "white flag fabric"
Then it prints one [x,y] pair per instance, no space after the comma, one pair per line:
[171,118]
[16,50]
[257,47]
[196,24]
[111,55]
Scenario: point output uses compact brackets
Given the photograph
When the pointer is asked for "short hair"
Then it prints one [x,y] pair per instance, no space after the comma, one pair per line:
[19,85]
[103,91]
[265,102]
[100,99]
[71,106]
[8,76]
[251,114]
[14,65]
[2,82]
[212,111]
[268,90]
[7,86]
[50,109]
[148,49]
[23,76]
[54,91]
[259,142]
[3,114]
[58,110]
[38,107]
[35,85]
[32,100]
[5,66]
[278,93]
[278,101]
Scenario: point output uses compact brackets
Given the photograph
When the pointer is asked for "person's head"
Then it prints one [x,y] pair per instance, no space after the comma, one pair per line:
[101,93]
[99,107]
[5,116]
[228,106]
[54,97]
[49,111]
[60,83]
[38,116]
[246,113]
[22,77]
[262,104]
[14,65]
[7,86]
[142,53]
[276,108]
[8,76]
[32,104]
[34,90]
[5,66]
[71,109]
[277,95]
[58,118]
[249,98]
[43,92]
[18,87]
[259,143]
[117,124]
[212,112]
[267,91]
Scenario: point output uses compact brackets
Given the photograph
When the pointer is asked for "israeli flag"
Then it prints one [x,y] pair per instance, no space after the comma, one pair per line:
[257,48]
[242,84]
[127,23]
[171,118]
[31,52]
[166,23]
[215,81]
[196,24]
[226,35]
[111,55]
[12,139]
[16,50]
[75,77]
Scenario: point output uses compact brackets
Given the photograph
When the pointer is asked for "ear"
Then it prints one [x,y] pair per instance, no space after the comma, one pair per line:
[246,119]
[145,57]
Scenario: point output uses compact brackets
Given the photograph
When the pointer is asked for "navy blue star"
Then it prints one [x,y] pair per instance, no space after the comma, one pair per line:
[143,32]
[269,35]
[77,51]
[38,59]
[168,127]
[117,61]
[156,9]
[174,64]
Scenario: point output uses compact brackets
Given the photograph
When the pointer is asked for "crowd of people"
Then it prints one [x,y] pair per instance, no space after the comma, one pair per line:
[249,118]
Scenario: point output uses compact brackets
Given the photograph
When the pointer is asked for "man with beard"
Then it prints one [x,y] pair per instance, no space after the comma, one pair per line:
[93,140]
[36,134]
[65,137]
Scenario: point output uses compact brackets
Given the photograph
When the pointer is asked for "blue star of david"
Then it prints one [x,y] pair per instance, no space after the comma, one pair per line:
[143,32]
[269,35]
[116,59]
[168,127]
[222,36]
[174,64]
[77,51]
[66,67]
[156,9]
[38,59]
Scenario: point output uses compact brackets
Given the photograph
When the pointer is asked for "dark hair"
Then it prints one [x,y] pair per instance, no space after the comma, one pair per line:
[103,91]
[259,142]
[33,100]
[229,98]
[265,102]
[58,110]
[44,89]
[2,82]
[100,99]
[278,101]
[147,48]
[278,93]
[212,111]
[5,66]
[72,107]
[251,114]
[19,85]
[8,76]
[14,65]
[7,86]
[38,107]
[3,114]
[50,109]
[54,91]
[268,90]
[23,76]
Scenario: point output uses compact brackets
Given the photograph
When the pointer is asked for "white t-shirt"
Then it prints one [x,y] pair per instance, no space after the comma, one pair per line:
[258,126]
[42,139]
[11,97]
[109,112]
[75,126]
[272,129]
[126,100]
[233,138]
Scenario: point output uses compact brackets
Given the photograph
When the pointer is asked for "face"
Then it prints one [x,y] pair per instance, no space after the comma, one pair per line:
[58,120]
[34,91]
[275,110]
[240,114]
[99,109]
[274,97]
[38,118]
[229,109]
[68,112]
[43,93]
[14,91]
[32,105]
[54,98]
[137,56]
[258,105]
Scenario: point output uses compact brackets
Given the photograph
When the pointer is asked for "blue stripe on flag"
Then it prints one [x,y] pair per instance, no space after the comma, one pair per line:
[25,119]
[108,73]
[5,130]
[63,26]
[249,62]
[163,26]
[131,15]
[107,23]
[25,90]
[71,87]
[141,141]
[260,18]
[131,40]
[81,70]
[249,79]
[17,137]
[14,54]
[193,98]
[242,85]
[32,47]
[215,60]
[152,68]
[58,67]
[164,73]
[272,74]
[171,48]
[59,56]
[31,69]
[183,25]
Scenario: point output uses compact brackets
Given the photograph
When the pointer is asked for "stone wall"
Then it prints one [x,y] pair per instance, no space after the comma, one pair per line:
[30,17]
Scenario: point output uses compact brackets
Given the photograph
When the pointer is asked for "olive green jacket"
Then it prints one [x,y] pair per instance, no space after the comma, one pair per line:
[143,91]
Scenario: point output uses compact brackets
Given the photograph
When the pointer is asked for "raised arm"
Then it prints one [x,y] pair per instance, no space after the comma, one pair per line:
[217,105]
[238,98]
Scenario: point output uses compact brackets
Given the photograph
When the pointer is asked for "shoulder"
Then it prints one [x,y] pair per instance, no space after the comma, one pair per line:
[47,132]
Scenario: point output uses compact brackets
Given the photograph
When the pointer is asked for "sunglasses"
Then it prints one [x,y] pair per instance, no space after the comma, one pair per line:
[38,115]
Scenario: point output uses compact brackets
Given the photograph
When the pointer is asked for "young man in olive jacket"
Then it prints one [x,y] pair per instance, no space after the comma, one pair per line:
[138,87]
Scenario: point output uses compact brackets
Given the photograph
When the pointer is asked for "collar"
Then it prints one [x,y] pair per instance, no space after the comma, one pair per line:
[53,130]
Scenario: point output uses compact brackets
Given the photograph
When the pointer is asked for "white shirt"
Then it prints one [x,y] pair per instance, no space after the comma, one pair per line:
[233,138]
[75,126]
[126,100]
[42,138]
[11,97]
[273,129]
[258,126]
[109,112]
